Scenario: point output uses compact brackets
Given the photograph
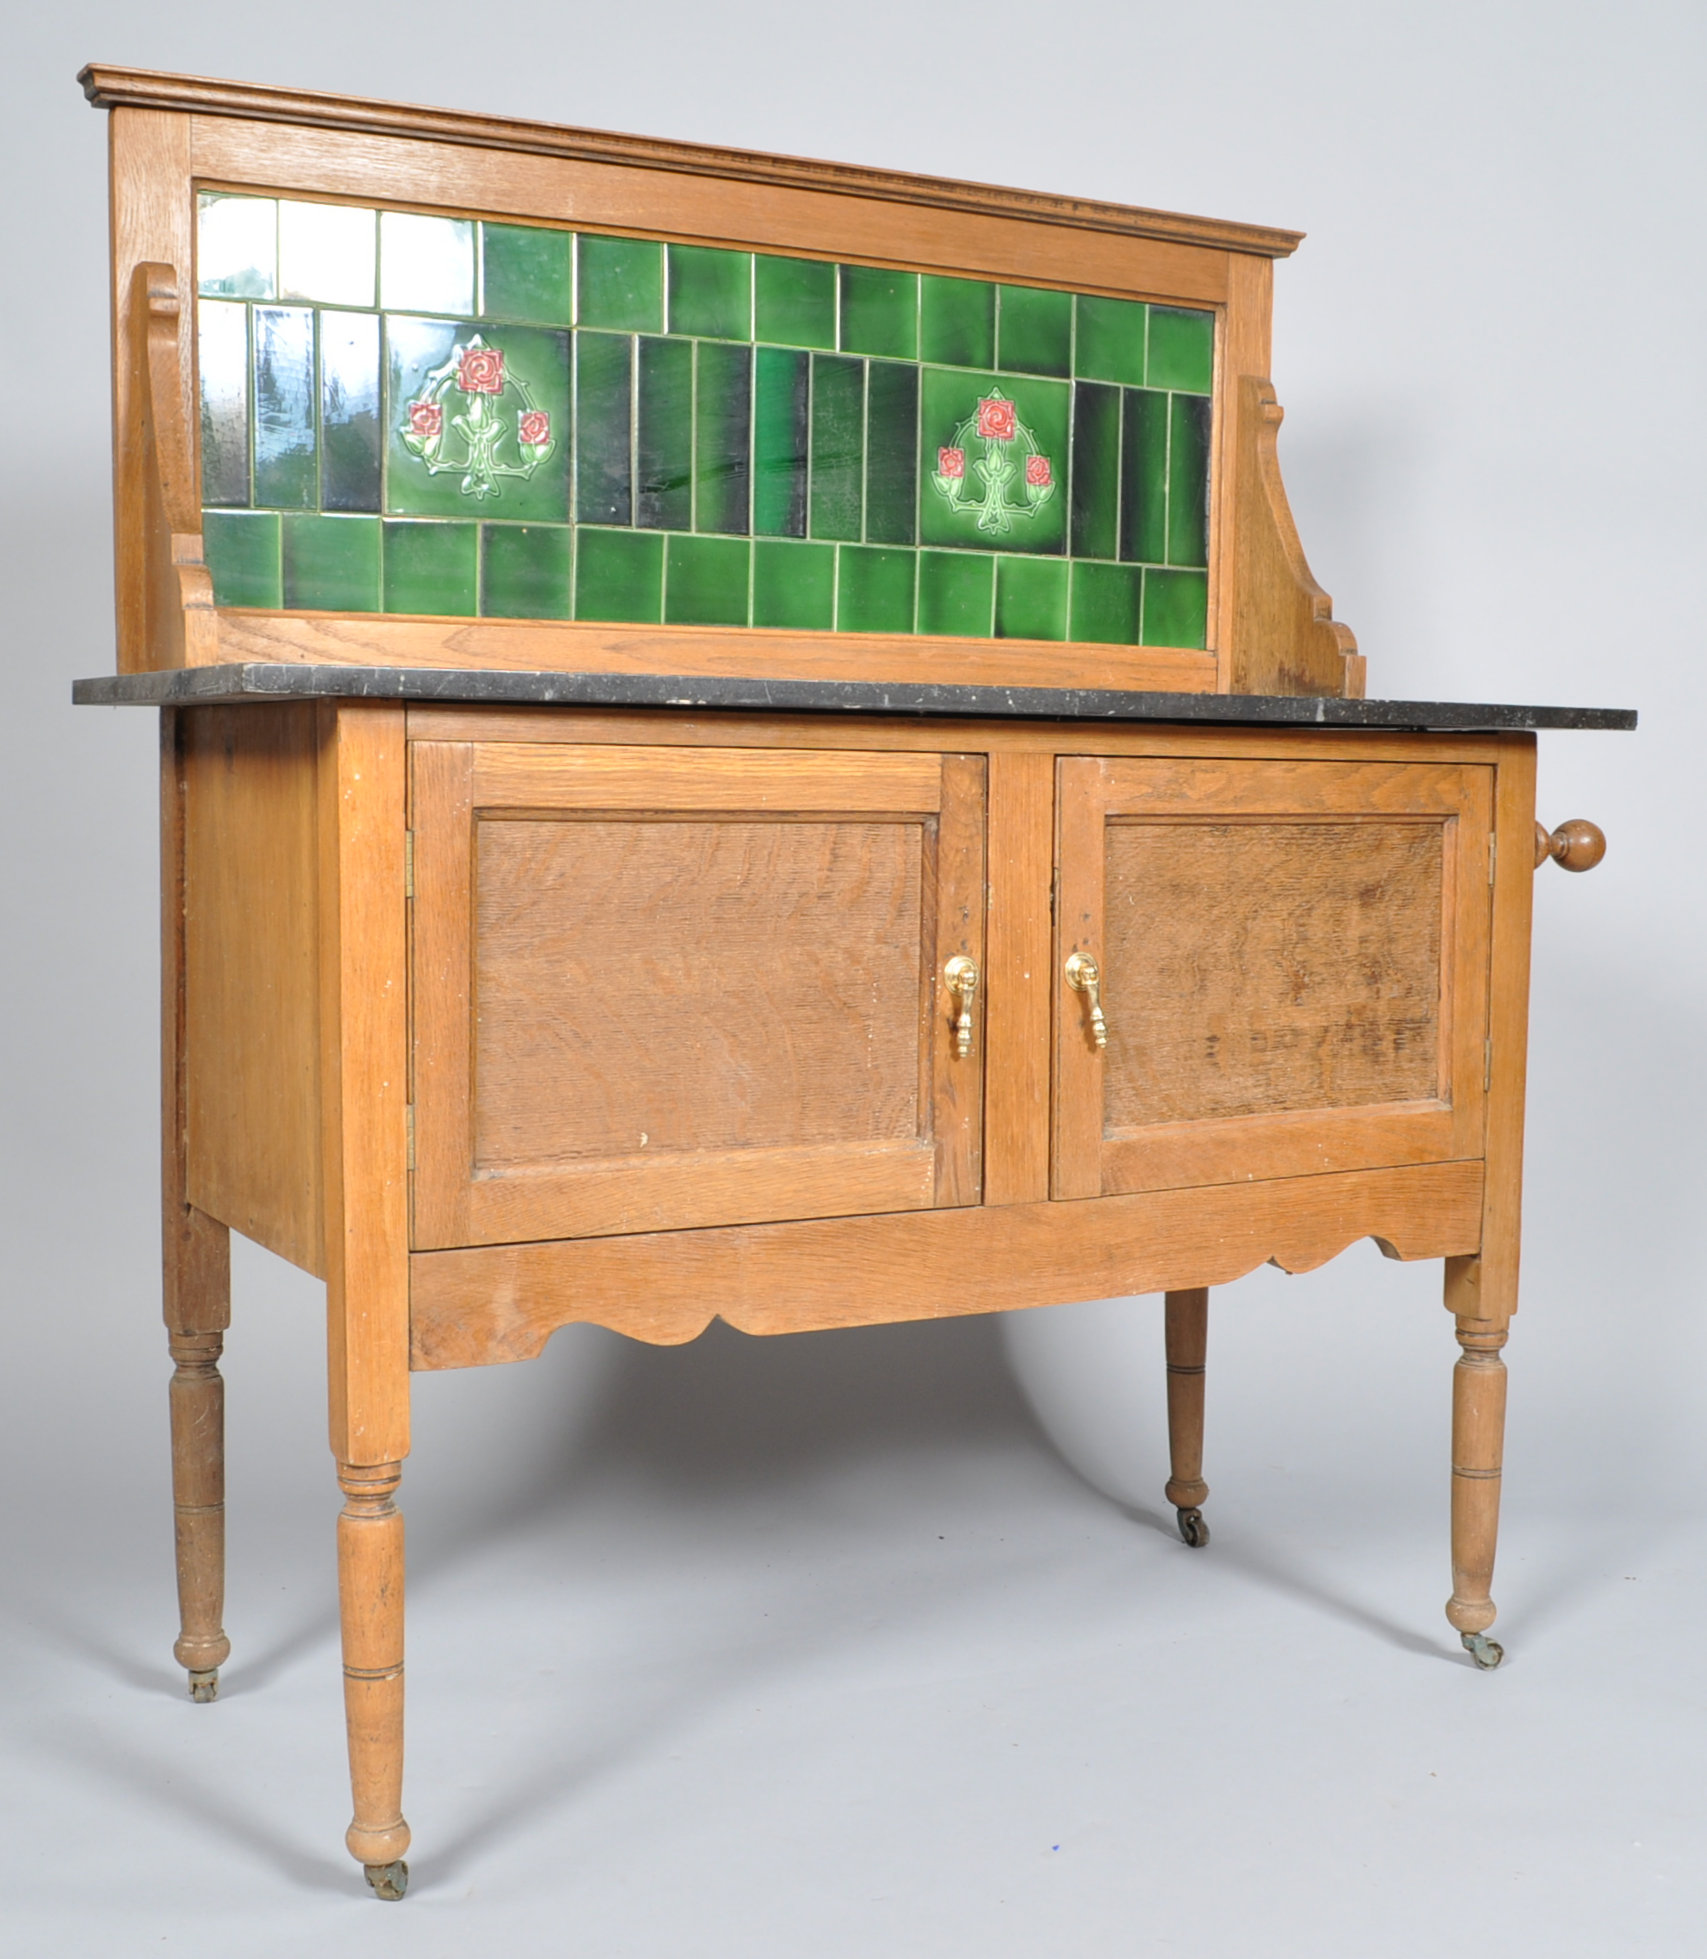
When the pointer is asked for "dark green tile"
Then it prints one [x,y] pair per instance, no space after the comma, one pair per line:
[1031,598]
[604,429]
[955,592]
[432,568]
[524,571]
[957,321]
[1110,343]
[526,273]
[1182,350]
[723,438]
[620,284]
[1176,608]
[237,245]
[1105,603]
[838,445]
[222,359]
[331,564]
[349,411]
[243,557]
[874,590]
[781,440]
[663,438]
[880,312]
[426,265]
[1034,330]
[1009,513]
[1144,477]
[1188,480]
[460,396]
[794,585]
[711,292]
[796,301]
[619,575]
[705,581]
[892,453]
[285,468]
[1096,470]
[327,252]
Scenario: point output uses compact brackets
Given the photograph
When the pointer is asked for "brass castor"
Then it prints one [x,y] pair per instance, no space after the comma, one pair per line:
[389,1881]
[204,1686]
[1486,1652]
[1192,1528]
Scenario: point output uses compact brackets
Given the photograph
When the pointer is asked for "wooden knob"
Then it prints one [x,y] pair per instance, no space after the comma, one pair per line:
[1575,846]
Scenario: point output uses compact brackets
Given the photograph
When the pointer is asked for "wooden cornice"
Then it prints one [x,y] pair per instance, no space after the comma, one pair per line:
[112,88]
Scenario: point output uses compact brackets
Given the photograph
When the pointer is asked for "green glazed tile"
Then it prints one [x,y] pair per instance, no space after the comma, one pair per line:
[1176,608]
[433,568]
[1096,470]
[781,439]
[796,300]
[957,321]
[1188,480]
[243,557]
[285,472]
[620,284]
[222,359]
[604,428]
[524,571]
[955,592]
[1105,603]
[349,411]
[237,246]
[426,265]
[1110,343]
[1144,477]
[723,438]
[1031,598]
[526,273]
[880,312]
[1035,517]
[891,453]
[425,361]
[705,581]
[1034,330]
[619,575]
[794,585]
[663,438]
[838,445]
[711,292]
[331,564]
[1182,349]
[327,252]
[874,590]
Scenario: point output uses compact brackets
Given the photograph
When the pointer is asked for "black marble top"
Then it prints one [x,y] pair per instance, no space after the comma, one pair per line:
[187,685]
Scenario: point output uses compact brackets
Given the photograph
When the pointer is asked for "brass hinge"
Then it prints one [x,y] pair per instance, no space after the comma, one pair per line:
[1487,1065]
[410,1144]
[408,863]
[1493,853]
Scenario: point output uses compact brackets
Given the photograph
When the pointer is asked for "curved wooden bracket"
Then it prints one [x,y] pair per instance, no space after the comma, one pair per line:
[1285,639]
[181,626]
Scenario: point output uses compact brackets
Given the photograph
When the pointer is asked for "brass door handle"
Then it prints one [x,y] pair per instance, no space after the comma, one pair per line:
[961,978]
[1085,976]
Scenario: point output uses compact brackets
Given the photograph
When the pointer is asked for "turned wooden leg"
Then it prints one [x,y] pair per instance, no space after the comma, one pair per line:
[1478,1434]
[370,1601]
[197,1396]
[1187,1337]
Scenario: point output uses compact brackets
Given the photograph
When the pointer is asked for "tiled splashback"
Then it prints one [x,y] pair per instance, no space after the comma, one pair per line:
[435,415]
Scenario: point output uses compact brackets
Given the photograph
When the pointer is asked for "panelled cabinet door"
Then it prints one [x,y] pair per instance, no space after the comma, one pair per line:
[658,988]
[1290,967]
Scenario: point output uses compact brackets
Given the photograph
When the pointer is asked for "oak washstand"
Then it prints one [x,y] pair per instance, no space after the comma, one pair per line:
[752,738]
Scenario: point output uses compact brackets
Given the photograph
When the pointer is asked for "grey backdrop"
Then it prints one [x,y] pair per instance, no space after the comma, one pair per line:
[879,1642]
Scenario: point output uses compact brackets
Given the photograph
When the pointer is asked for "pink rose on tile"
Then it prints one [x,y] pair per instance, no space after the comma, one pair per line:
[534,427]
[996,419]
[951,462]
[1037,472]
[481,371]
[426,420]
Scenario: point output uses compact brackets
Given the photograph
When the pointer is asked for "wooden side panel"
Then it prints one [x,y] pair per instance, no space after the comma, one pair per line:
[502,1303]
[251,989]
